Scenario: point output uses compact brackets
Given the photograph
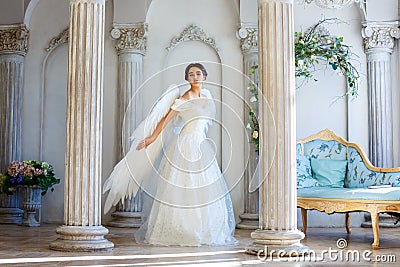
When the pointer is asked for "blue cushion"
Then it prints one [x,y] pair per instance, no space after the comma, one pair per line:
[304,174]
[329,172]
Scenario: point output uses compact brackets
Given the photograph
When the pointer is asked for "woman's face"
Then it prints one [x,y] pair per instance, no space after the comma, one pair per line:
[195,76]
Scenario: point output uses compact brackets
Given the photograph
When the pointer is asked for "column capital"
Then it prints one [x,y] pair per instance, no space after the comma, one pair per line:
[130,38]
[14,39]
[248,36]
[88,1]
[379,36]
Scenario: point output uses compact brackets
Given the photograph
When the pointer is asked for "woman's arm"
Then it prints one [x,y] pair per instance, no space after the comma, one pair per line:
[160,126]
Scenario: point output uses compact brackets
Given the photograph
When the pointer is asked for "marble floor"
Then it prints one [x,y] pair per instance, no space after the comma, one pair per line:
[24,246]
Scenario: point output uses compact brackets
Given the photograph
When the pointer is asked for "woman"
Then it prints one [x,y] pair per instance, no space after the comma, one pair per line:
[187,200]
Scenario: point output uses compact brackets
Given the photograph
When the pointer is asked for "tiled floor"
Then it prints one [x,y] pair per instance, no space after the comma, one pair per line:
[22,246]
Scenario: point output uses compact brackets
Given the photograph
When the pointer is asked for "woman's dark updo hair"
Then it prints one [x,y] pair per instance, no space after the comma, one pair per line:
[197,65]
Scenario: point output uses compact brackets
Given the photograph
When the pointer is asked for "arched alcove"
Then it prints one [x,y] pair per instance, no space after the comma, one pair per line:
[176,62]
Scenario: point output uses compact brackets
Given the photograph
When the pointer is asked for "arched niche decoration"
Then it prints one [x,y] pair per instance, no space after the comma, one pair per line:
[193,33]
[54,43]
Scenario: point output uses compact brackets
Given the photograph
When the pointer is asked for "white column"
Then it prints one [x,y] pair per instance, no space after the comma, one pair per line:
[248,35]
[278,213]
[378,44]
[131,47]
[82,229]
[13,48]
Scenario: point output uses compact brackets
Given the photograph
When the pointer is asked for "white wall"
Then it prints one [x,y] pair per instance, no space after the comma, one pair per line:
[14,13]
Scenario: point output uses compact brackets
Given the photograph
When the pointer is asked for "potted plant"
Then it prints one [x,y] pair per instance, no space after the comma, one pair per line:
[35,178]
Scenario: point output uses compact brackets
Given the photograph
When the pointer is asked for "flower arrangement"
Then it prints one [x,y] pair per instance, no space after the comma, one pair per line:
[317,45]
[28,173]
[311,47]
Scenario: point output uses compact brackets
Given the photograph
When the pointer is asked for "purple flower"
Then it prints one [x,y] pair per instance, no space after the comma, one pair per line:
[19,178]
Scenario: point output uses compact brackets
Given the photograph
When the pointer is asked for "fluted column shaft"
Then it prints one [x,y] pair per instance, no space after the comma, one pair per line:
[11,83]
[82,198]
[278,211]
[249,45]
[13,48]
[130,69]
[379,43]
[380,109]
[131,47]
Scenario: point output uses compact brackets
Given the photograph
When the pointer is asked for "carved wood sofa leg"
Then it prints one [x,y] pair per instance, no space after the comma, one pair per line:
[375,229]
[348,223]
[304,218]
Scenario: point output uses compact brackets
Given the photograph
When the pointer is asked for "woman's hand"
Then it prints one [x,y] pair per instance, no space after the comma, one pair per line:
[145,143]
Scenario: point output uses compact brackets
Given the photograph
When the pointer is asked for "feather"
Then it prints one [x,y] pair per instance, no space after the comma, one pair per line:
[137,165]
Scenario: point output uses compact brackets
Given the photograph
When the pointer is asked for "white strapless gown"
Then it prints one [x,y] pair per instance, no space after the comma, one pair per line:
[188,202]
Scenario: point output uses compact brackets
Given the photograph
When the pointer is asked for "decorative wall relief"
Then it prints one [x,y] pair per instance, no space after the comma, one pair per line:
[193,33]
[60,39]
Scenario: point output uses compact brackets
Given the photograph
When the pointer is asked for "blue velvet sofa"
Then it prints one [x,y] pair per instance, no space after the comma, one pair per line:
[334,175]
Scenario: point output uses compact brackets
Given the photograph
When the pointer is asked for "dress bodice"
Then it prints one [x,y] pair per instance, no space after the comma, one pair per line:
[195,114]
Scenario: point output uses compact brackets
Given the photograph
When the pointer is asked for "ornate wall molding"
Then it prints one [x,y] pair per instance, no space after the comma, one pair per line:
[14,39]
[62,38]
[192,33]
[248,39]
[331,4]
[380,35]
[131,38]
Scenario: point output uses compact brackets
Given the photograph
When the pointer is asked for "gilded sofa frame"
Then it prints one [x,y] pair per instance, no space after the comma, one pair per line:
[330,205]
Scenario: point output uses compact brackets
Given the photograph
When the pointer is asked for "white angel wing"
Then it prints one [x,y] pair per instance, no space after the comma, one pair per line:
[158,111]
[128,174]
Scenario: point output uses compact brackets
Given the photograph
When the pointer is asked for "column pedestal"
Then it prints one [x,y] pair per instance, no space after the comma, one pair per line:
[81,238]
[128,219]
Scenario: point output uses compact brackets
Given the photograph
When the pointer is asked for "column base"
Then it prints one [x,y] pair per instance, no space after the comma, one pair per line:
[126,219]
[248,221]
[11,215]
[280,243]
[81,238]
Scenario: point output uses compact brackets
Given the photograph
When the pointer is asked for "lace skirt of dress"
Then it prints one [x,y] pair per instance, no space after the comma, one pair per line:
[186,201]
